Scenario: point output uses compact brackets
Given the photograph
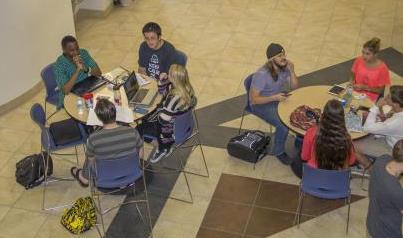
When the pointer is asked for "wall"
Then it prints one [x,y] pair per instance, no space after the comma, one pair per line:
[30,39]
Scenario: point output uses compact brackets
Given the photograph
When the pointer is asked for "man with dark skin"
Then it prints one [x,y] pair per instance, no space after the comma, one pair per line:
[73,66]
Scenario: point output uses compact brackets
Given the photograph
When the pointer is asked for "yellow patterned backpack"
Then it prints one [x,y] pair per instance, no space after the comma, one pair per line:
[80,217]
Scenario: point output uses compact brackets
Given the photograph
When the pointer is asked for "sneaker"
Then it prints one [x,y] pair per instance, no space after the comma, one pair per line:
[284,158]
[158,155]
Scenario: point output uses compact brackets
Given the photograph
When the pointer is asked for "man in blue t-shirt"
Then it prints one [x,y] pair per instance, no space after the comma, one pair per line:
[268,88]
[384,219]
[73,66]
[156,55]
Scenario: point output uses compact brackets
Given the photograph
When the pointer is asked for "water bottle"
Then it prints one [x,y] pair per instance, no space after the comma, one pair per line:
[116,95]
[80,106]
[348,96]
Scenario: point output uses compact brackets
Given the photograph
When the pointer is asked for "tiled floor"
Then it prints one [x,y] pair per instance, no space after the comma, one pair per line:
[248,207]
[225,41]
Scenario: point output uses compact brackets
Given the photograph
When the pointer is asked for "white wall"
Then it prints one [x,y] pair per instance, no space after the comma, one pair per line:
[97,5]
[30,33]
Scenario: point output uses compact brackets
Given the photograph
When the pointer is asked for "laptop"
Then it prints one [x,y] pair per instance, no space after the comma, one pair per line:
[135,94]
[89,84]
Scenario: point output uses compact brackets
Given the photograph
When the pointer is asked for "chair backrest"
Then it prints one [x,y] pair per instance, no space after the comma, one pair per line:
[38,115]
[183,126]
[117,172]
[328,184]
[49,79]
[247,84]
[181,58]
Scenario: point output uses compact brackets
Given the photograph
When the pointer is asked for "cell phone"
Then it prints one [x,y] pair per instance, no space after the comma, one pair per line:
[363,108]
[286,93]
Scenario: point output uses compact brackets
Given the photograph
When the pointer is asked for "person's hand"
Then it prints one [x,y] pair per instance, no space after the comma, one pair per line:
[279,97]
[290,66]
[382,102]
[78,62]
[163,76]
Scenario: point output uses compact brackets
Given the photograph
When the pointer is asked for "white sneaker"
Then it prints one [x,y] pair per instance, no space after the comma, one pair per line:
[158,155]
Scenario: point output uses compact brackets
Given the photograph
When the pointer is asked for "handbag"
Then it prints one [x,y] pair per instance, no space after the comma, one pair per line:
[65,132]
[80,217]
[250,146]
[30,170]
[305,117]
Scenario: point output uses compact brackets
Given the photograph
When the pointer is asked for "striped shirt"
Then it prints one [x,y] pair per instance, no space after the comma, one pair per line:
[64,68]
[113,143]
[174,105]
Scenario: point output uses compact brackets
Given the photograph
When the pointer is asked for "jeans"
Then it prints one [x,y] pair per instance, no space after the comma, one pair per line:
[268,112]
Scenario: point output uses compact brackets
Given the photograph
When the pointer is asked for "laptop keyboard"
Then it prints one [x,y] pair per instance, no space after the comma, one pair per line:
[140,95]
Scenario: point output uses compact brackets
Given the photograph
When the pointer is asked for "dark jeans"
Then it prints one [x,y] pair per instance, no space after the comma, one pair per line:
[268,112]
[296,167]
[159,129]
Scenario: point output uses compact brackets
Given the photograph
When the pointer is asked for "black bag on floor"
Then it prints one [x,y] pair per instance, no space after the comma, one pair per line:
[30,170]
[249,146]
[65,132]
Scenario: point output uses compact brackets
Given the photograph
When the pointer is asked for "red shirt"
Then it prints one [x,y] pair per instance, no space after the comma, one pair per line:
[308,152]
[372,77]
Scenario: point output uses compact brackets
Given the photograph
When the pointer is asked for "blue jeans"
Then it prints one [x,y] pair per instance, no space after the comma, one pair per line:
[268,112]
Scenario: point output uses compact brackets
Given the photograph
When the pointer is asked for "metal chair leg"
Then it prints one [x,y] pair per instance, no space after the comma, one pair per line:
[147,200]
[77,160]
[240,126]
[299,208]
[348,213]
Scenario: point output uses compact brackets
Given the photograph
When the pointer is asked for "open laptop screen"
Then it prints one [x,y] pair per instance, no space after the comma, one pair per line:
[131,86]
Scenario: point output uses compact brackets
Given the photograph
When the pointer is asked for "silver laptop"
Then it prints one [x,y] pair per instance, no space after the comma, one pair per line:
[136,95]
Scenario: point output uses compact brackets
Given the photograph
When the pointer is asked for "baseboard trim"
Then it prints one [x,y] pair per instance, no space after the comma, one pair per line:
[95,13]
[23,98]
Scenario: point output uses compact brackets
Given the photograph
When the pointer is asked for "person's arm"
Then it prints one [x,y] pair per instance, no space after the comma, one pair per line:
[374,127]
[64,83]
[90,66]
[70,83]
[256,98]
[361,159]
[293,76]
[142,61]
[377,90]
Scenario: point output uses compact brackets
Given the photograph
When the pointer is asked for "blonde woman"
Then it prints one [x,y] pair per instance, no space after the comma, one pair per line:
[159,123]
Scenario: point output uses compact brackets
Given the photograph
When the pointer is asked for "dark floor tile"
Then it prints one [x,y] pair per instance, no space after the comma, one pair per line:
[279,196]
[265,222]
[227,217]
[315,206]
[236,189]
[207,233]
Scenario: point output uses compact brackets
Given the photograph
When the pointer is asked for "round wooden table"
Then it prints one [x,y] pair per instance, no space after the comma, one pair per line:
[314,97]
[70,101]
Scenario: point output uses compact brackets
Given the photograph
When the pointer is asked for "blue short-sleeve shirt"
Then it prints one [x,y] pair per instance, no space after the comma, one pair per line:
[64,68]
[263,82]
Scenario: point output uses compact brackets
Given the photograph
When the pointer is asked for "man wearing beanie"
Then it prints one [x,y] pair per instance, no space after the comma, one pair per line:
[268,88]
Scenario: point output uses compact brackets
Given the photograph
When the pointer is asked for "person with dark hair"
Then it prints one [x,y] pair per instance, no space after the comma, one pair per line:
[112,141]
[385,210]
[268,88]
[156,55]
[328,145]
[370,75]
[73,66]
[386,128]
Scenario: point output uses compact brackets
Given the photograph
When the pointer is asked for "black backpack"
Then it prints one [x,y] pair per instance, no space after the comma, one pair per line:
[250,146]
[31,169]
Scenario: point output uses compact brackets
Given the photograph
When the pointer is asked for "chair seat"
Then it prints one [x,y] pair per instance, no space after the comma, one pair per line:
[323,193]
[117,183]
[49,144]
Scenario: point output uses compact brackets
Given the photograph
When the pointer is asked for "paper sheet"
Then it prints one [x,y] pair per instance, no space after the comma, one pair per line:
[123,114]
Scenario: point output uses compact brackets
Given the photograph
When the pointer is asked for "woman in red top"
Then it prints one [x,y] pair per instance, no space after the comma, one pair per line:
[370,74]
[328,145]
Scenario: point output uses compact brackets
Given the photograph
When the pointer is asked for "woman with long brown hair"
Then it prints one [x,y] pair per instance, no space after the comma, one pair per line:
[328,145]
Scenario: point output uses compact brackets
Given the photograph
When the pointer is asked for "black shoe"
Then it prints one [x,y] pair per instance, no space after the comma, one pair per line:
[284,158]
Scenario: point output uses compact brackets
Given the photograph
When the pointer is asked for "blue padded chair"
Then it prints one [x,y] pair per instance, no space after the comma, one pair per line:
[181,58]
[48,144]
[248,109]
[186,132]
[117,174]
[52,94]
[325,184]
